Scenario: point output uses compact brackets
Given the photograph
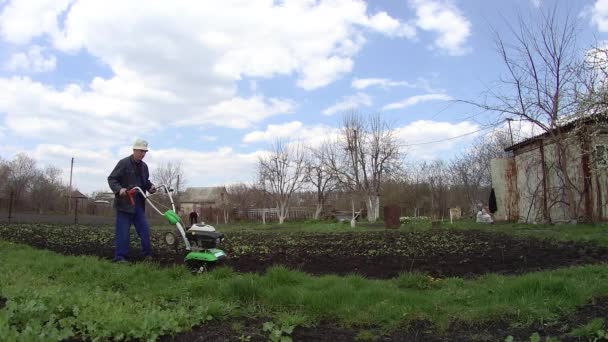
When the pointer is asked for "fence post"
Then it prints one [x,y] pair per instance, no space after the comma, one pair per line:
[10,206]
[75,210]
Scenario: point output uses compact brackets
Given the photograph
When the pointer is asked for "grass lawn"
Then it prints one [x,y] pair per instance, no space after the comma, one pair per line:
[53,297]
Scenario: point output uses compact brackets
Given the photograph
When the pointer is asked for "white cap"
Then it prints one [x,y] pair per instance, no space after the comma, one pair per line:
[140,144]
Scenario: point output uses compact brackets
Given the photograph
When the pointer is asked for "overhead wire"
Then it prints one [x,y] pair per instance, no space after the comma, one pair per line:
[452,138]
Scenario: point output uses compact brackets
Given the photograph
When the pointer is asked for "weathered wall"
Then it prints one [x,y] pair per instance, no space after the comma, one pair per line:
[529,185]
[539,185]
[599,181]
[557,198]
[542,195]
[504,182]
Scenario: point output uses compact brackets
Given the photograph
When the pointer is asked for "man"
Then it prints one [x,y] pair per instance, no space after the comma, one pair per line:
[193,217]
[130,172]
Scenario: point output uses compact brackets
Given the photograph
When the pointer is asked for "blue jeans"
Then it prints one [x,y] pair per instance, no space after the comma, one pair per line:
[124,221]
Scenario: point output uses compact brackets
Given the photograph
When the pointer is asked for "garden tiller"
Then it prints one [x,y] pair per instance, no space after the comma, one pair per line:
[201,240]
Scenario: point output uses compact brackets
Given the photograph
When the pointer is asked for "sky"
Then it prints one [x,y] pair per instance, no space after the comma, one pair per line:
[211,84]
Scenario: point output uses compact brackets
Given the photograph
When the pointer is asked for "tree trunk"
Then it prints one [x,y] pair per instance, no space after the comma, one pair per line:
[373,208]
[353,220]
[318,210]
[283,211]
[568,186]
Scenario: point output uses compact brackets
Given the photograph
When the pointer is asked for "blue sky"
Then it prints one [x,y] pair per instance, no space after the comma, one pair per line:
[212,83]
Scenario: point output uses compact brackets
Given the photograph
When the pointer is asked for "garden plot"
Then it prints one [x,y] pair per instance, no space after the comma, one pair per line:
[374,254]
[424,294]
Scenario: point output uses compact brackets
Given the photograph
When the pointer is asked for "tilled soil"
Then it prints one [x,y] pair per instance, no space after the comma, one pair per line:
[379,255]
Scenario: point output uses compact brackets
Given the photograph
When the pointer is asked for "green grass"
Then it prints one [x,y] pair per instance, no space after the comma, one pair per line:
[51,297]
[594,233]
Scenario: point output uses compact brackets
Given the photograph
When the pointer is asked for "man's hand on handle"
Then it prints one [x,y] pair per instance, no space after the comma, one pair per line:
[122,192]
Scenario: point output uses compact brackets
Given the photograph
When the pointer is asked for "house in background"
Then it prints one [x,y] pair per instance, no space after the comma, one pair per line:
[529,185]
[200,198]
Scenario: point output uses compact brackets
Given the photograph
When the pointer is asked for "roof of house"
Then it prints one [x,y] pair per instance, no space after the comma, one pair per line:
[202,194]
[108,196]
[567,124]
[77,194]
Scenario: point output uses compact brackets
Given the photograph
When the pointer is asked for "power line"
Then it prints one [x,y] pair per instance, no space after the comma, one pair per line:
[452,138]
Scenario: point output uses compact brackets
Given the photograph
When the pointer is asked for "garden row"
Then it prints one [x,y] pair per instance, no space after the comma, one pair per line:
[374,254]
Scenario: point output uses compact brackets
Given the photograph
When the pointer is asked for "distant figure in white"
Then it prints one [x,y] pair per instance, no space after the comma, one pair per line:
[483,216]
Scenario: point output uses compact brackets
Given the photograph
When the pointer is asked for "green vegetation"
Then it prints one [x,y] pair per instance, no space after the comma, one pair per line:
[593,331]
[594,233]
[52,297]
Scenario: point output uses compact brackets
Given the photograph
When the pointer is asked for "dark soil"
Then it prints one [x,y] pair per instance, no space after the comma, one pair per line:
[251,330]
[380,255]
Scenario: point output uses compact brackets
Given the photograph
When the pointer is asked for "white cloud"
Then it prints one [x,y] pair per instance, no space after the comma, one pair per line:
[348,103]
[322,72]
[362,83]
[184,68]
[71,115]
[241,112]
[413,100]
[443,17]
[417,135]
[273,132]
[384,23]
[599,15]
[34,110]
[293,131]
[92,167]
[315,40]
[34,60]
[536,3]
[210,168]
[22,20]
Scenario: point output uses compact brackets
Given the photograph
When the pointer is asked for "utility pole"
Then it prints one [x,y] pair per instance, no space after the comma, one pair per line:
[510,132]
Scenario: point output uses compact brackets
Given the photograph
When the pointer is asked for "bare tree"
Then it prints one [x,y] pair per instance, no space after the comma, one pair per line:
[593,81]
[241,195]
[470,171]
[370,152]
[436,177]
[169,173]
[4,175]
[22,170]
[282,173]
[320,176]
[541,83]
[46,189]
